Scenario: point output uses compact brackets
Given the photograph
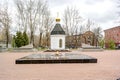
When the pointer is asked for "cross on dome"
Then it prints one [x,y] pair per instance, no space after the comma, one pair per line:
[57,19]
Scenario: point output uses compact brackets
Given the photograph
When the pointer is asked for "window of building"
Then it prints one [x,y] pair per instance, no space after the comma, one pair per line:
[60,43]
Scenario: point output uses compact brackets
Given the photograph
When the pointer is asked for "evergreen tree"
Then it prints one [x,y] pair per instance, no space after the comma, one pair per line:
[19,39]
[25,39]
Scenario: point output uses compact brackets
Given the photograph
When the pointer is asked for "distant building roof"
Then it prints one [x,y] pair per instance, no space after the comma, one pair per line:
[112,28]
[57,30]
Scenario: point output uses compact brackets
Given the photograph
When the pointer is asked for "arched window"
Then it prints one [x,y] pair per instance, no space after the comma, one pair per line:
[60,43]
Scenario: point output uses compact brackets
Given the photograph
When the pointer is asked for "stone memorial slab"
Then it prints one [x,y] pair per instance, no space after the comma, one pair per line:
[56,58]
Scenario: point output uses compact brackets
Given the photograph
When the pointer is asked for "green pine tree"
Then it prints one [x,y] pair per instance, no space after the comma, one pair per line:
[25,39]
[19,39]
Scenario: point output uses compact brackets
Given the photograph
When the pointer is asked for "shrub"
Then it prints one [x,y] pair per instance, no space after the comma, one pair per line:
[111,44]
[21,39]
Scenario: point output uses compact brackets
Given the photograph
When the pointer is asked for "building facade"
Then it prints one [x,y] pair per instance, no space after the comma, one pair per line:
[76,41]
[112,34]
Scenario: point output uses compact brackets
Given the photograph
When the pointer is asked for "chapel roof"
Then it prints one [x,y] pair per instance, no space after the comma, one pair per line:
[57,30]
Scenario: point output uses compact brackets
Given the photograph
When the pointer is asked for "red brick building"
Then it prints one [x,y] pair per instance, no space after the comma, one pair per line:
[75,41]
[112,34]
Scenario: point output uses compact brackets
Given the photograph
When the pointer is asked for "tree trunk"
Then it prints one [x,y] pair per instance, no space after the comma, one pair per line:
[7,38]
[47,39]
[32,39]
[40,39]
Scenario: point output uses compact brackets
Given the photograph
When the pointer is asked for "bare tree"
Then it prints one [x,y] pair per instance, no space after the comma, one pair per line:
[98,34]
[5,21]
[71,19]
[72,22]
[48,26]
[89,25]
[29,13]
[21,14]
[45,23]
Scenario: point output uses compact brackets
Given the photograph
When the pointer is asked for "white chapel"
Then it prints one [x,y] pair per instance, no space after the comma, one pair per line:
[57,37]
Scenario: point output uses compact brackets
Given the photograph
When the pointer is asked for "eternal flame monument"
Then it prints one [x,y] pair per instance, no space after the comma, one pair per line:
[57,44]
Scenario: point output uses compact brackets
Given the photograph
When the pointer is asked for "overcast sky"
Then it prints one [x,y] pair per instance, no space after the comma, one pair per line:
[103,12]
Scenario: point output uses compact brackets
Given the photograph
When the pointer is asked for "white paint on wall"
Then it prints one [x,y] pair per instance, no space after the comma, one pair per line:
[55,41]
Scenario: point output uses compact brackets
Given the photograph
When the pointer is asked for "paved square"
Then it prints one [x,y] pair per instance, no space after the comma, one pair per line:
[107,68]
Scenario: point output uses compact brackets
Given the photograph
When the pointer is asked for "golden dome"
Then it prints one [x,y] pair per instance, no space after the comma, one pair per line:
[57,19]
